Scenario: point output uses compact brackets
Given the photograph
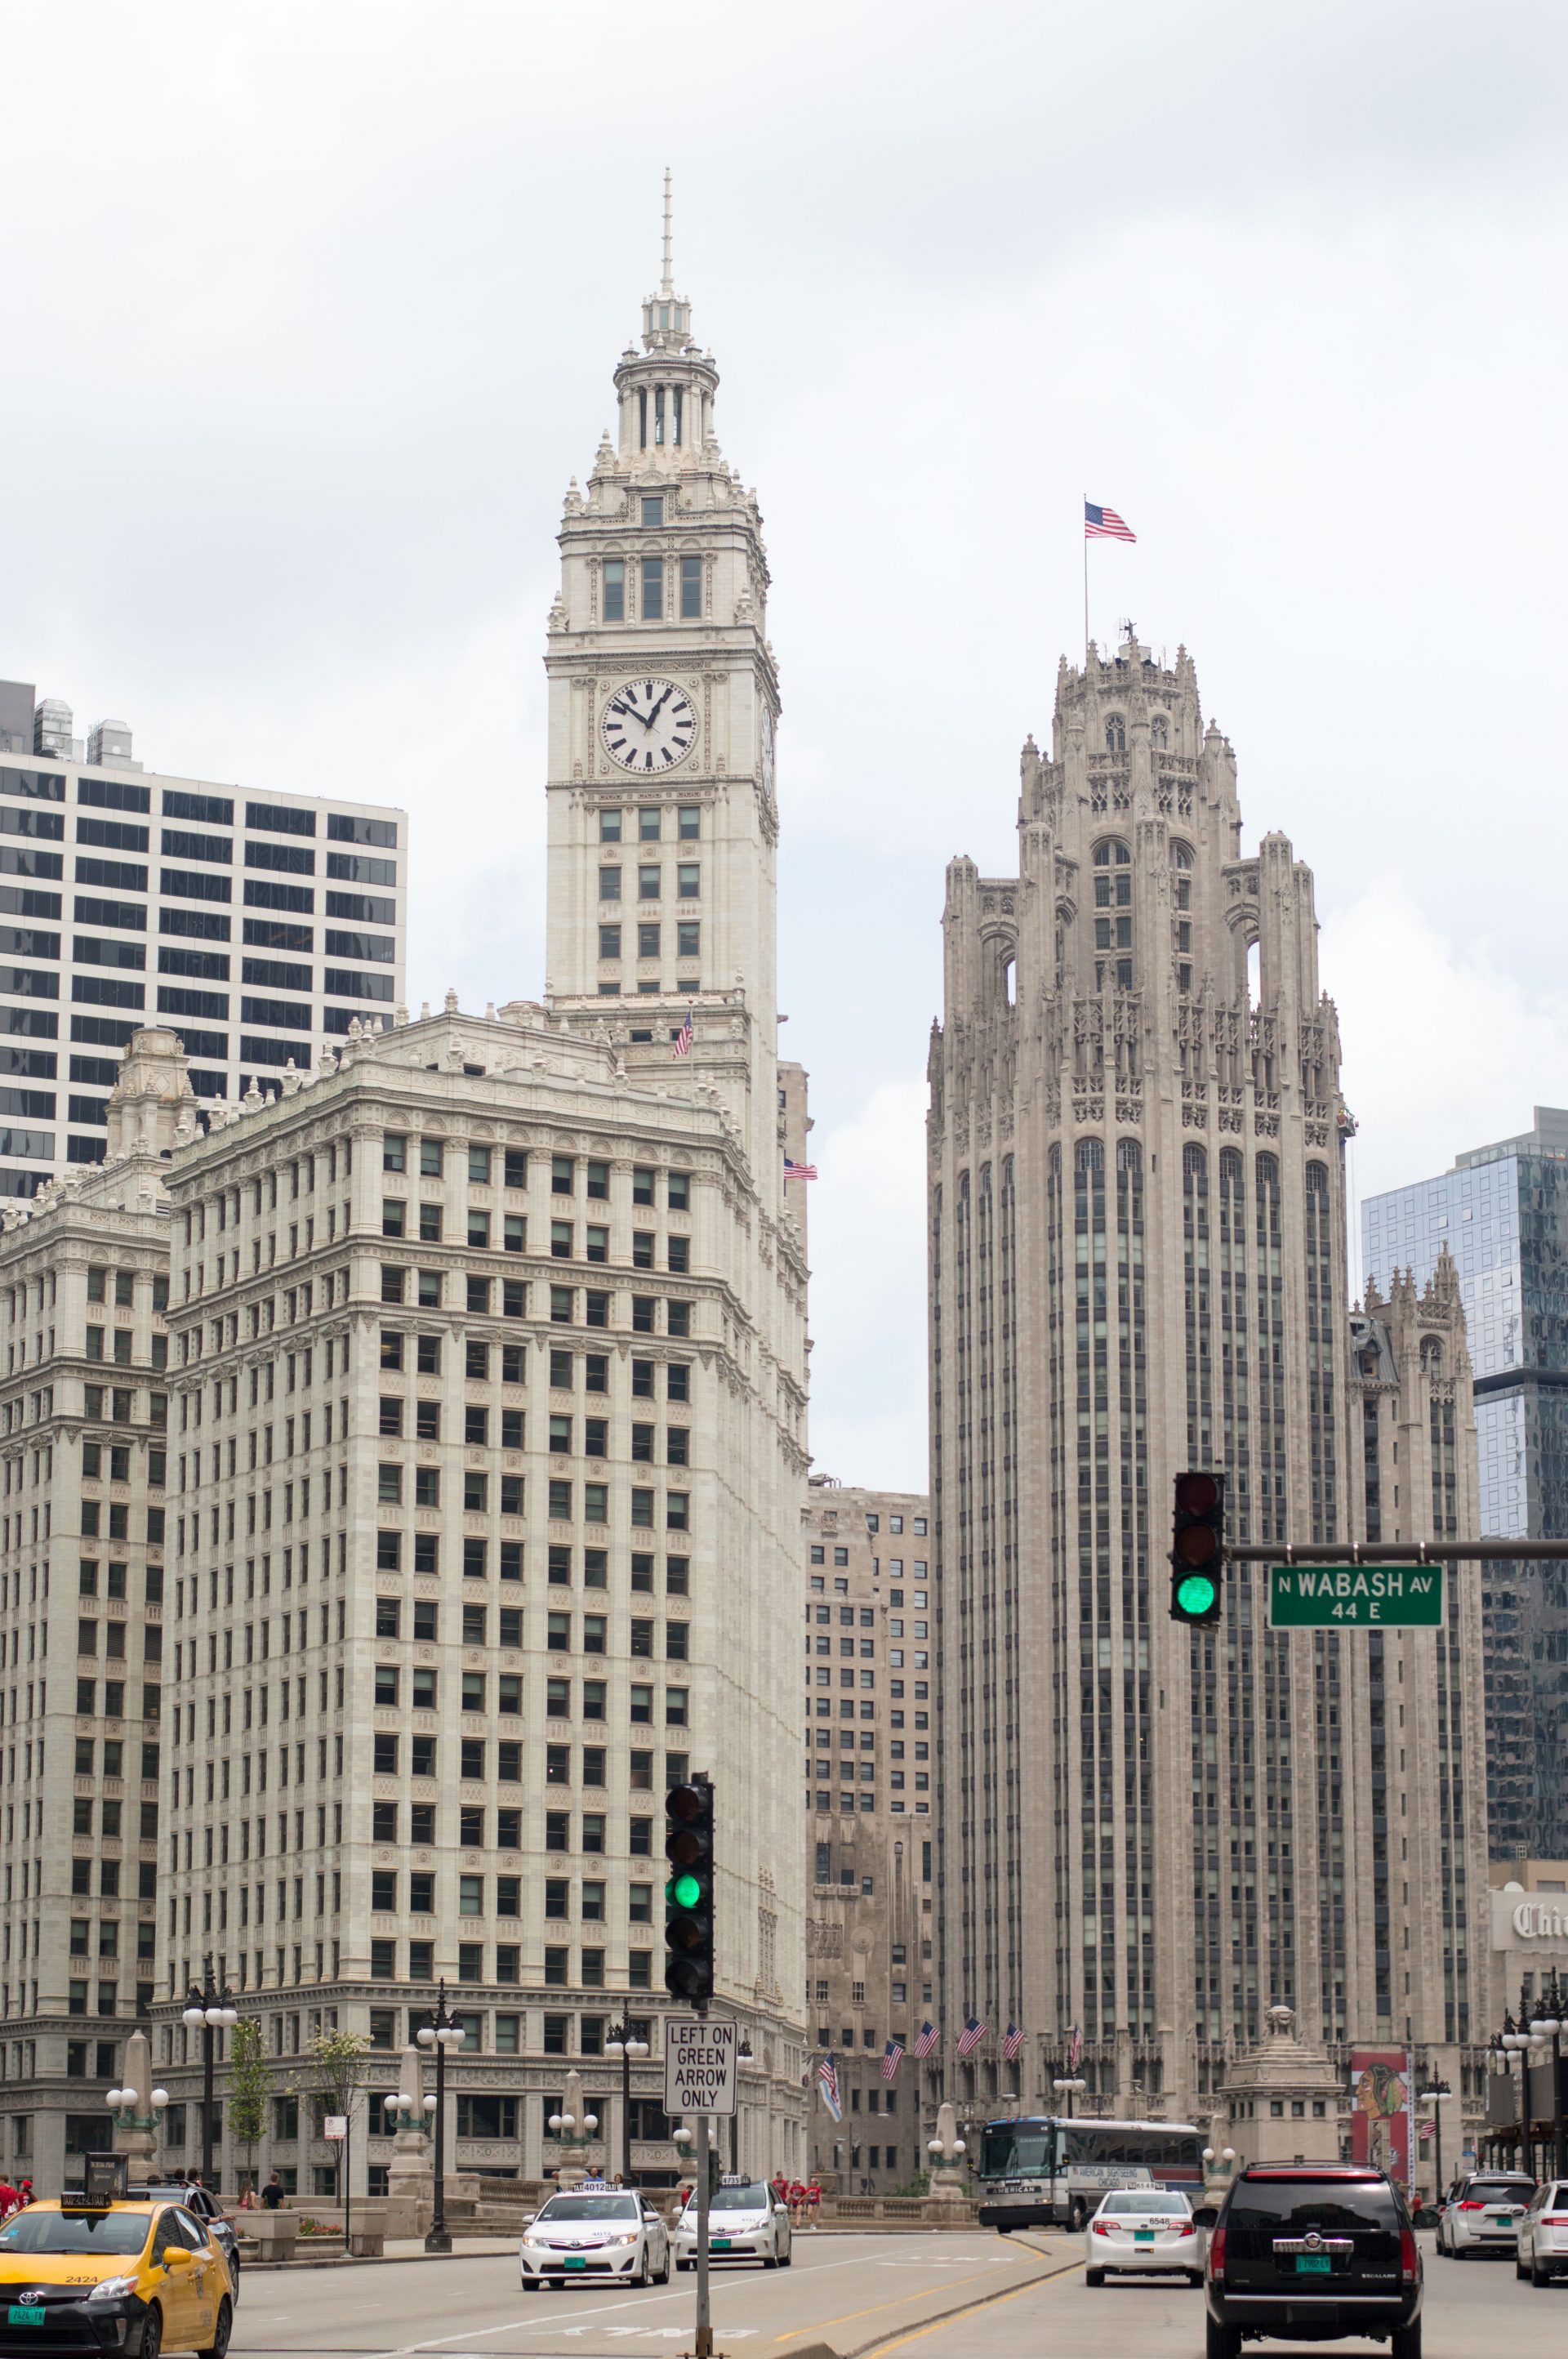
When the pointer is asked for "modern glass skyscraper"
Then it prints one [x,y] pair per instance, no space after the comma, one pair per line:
[1502,1211]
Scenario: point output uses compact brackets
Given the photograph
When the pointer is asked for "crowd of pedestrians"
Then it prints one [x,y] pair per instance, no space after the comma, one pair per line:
[801,2199]
[15,2198]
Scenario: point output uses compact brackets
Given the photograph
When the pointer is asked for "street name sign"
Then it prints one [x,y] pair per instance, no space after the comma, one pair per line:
[699,2066]
[1378,1596]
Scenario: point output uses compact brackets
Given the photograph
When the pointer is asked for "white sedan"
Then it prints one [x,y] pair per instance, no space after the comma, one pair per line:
[1142,2228]
[746,2222]
[595,2232]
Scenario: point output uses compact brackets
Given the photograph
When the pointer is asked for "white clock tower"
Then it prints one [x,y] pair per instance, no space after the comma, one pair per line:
[664,701]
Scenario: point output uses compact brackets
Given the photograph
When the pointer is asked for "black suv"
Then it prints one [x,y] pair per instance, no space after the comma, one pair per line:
[1310,2251]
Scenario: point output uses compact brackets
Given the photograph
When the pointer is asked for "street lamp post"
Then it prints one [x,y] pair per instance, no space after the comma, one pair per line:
[1550,2026]
[742,2056]
[210,2010]
[1067,2089]
[439,2031]
[1515,2045]
[626,2040]
[1436,2089]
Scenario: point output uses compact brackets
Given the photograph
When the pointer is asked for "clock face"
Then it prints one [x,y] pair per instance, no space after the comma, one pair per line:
[648,726]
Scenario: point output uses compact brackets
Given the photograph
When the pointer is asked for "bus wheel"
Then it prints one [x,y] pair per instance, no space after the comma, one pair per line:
[1078,2218]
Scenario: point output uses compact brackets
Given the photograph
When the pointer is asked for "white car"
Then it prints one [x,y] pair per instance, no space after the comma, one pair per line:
[1483,2213]
[1144,2230]
[1543,2235]
[595,2231]
[746,2222]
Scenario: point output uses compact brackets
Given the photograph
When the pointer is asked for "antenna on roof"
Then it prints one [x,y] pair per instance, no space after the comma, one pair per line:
[667,288]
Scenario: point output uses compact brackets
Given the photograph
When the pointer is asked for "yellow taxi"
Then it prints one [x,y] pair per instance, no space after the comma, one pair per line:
[132,2278]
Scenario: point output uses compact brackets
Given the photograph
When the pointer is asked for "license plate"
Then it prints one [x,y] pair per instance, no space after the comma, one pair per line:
[1313,2264]
[24,2314]
[1143,2235]
[719,2244]
[576,2261]
[1500,2219]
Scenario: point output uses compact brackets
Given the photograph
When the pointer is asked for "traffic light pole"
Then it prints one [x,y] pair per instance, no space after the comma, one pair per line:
[1395,1552]
[704,2343]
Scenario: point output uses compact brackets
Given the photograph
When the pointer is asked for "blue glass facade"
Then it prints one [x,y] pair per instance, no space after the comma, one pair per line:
[1502,1212]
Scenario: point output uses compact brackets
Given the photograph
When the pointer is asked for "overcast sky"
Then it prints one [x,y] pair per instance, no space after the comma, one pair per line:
[312,311]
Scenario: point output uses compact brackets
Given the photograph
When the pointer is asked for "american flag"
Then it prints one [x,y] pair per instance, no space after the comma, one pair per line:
[1104,524]
[799,1171]
[1075,2050]
[972,2034]
[683,1039]
[828,2077]
[929,2035]
[893,2057]
[1012,2043]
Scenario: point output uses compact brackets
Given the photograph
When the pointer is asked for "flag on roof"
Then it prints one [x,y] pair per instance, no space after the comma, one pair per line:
[683,1039]
[929,2035]
[799,1171]
[1104,524]
[972,2034]
[893,2057]
[827,2078]
[1012,2043]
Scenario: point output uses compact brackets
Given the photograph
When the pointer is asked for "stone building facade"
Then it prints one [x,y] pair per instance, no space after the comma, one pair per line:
[83,1483]
[869,1781]
[1138,1262]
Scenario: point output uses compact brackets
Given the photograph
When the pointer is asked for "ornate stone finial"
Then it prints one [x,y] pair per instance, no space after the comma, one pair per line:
[450,1003]
[573,499]
[136,2107]
[555,620]
[327,1062]
[424,1011]
[399,1017]
[292,1079]
[1281,2018]
[489,1011]
[253,1097]
[604,459]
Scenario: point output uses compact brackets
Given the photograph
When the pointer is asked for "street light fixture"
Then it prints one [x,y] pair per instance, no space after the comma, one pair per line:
[209,2009]
[625,2041]
[439,2031]
[1067,2089]
[1436,2089]
[1550,2026]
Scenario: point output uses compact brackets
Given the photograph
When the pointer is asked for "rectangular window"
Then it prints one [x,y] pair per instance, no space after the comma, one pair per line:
[609,941]
[689,938]
[648,941]
[691,589]
[615,590]
[648,883]
[652,589]
[688,880]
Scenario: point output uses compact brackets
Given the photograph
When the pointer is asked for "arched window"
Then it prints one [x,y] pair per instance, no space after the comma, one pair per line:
[1431,1356]
[1115,733]
[1160,731]
[1113,933]
[1009,978]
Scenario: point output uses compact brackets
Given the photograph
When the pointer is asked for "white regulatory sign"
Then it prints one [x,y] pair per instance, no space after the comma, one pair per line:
[699,2067]
[335,2128]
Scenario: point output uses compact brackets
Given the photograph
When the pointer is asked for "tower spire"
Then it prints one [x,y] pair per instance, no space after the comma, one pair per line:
[666,285]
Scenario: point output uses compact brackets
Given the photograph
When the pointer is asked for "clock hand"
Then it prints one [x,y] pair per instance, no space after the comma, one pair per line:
[655,714]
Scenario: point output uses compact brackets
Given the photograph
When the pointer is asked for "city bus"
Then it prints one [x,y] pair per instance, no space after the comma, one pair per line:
[1036,2169]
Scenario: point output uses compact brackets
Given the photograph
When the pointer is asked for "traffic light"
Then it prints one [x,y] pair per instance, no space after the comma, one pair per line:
[1197,1548]
[688,1893]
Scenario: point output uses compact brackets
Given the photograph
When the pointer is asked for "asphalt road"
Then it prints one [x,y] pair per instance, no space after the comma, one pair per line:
[844,2290]
[874,2295]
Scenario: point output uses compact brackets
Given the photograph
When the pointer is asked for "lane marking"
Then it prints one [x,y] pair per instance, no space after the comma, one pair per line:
[821,2325]
[988,2301]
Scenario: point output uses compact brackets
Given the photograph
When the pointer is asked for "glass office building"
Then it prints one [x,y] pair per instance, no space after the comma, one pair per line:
[1502,1212]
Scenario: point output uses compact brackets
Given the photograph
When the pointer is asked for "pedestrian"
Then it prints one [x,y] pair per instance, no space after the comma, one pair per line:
[7,2198]
[797,2203]
[272,2194]
[780,2186]
[812,2203]
[24,2194]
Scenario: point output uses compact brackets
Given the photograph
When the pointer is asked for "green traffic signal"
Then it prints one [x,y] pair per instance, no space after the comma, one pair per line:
[683,1891]
[1195,1594]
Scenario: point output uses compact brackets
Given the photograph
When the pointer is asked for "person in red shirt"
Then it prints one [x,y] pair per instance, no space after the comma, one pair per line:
[797,2203]
[812,2203]
[8,2199]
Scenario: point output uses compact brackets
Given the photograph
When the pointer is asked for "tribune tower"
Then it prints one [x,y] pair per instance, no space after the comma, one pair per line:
[1137,1241]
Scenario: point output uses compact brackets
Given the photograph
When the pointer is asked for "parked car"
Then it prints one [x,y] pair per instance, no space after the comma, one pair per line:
[1143,2231]
[205,2208]
[1306,2252]
[746,2222]
[595,2231]
[1483,2212]
[1541,2237]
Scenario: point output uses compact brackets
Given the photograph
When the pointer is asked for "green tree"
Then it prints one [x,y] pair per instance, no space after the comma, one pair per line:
[250,2087]
[340,2066]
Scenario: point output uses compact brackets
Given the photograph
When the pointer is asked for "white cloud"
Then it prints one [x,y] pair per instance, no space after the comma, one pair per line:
[868,1294]
[1445,1049]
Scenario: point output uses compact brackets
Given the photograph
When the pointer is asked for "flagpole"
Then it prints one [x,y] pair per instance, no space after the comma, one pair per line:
[1086,531]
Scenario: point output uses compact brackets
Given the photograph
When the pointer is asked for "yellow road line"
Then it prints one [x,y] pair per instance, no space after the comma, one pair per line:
[820,2326]
[993,2302]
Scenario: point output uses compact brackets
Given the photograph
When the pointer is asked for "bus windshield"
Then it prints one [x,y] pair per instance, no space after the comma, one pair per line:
[1021,2149]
